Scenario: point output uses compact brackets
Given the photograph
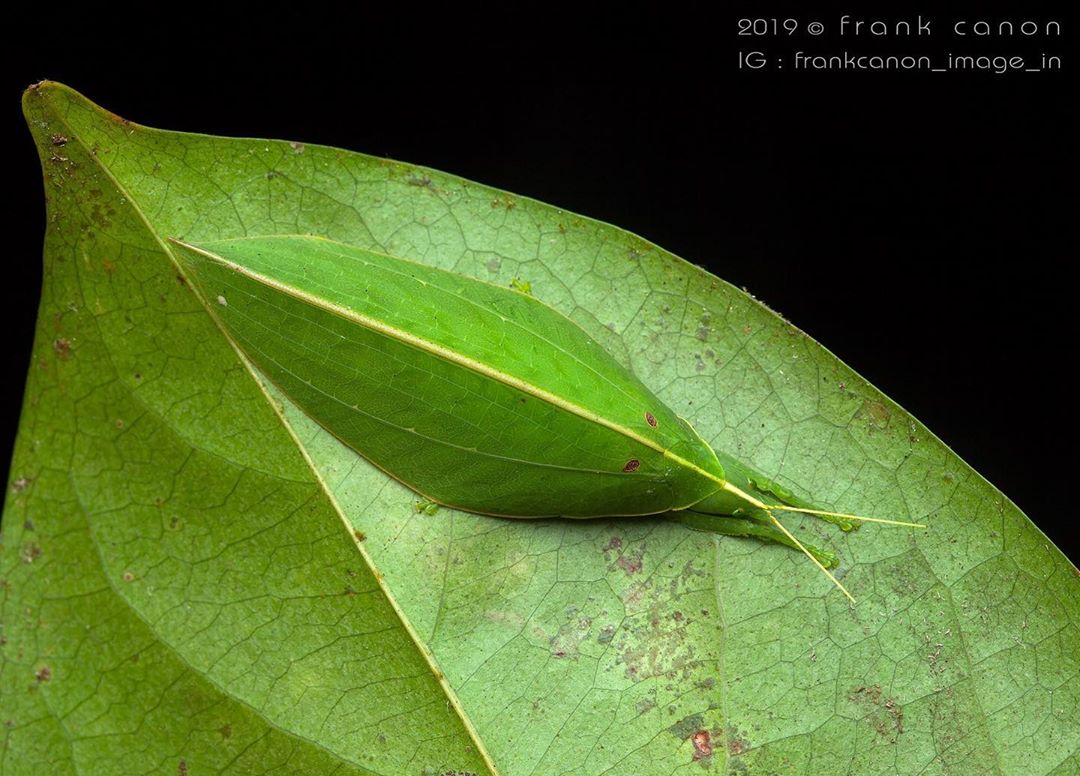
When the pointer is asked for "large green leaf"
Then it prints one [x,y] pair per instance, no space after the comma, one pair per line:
[198,578]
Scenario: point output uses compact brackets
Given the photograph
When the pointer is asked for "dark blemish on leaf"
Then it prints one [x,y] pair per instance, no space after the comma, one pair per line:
[493,265]
[607,633]
[129,577]
[59,140]
[62,348]
[423,182]
[702,744]
[30,553]
[631,563]
[348,592]
[747,329]
[181,280]
[687,726]
[181,768]
[298,148]
[876,413]
[650,419]
[632,465]
[43,674]
[28,524]
[737,743]
[21,484]
[226,731]
[645,705]
[886,716]
[359,536]
[614,544]
[703,333]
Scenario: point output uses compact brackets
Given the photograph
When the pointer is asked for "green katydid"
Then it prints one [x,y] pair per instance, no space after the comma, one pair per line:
[477,396]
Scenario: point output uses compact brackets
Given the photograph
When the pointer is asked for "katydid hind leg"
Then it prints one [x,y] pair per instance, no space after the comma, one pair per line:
[751,527]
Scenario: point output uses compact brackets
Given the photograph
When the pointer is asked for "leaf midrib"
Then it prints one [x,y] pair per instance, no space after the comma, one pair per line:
[425,653]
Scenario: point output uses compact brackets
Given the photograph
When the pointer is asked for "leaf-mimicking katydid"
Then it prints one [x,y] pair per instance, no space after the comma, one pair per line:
[477,396]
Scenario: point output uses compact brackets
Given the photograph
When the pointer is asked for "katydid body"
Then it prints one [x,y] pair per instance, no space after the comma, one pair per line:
[477,396]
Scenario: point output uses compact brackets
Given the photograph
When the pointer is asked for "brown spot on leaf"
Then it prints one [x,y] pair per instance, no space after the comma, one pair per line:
[885,715]
[129,577]
[21,484]
[631,563]
[30,553]
[226,731]
[737,742]
[359,536]
[59,140]
[877,414]
[615,543]
[181,768]
[43,674]
[702,744]
[298,148]
[62,348]
[650,419]
[632,465]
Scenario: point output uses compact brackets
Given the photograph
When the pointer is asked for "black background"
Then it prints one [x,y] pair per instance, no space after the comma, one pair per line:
[920,225]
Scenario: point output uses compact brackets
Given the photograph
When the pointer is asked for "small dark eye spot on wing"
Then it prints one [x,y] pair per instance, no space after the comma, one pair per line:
[650,419]
[632,465]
